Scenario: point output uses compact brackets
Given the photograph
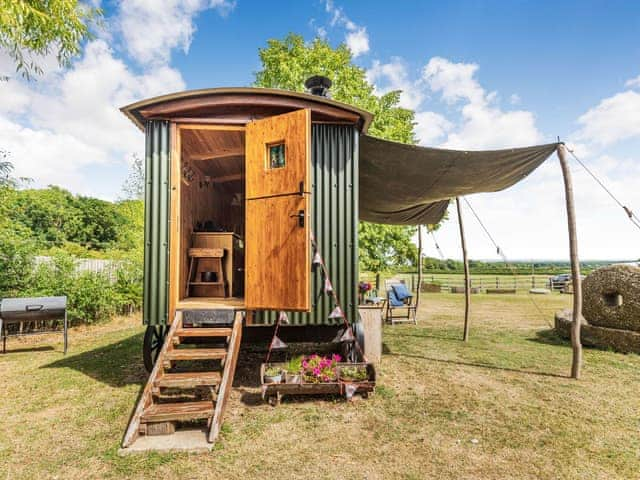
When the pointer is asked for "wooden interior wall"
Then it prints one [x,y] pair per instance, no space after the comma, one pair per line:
[202,199]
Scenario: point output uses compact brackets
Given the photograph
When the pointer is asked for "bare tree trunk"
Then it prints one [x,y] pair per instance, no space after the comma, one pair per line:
[467,280]
[576,363]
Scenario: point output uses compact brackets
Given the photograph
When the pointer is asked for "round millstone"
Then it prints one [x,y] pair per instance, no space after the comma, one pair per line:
[611,297]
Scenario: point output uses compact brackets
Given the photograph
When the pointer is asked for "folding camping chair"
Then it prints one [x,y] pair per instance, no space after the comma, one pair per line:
[399,300]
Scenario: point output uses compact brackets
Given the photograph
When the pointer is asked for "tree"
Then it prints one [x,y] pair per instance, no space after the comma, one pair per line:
[386,246]
[32,29]
[133,187]
[287,64]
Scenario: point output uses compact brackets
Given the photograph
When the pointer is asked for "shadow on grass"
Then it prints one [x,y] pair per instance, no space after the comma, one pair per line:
[117,364]
[549,337]
[43,348]
[479,365]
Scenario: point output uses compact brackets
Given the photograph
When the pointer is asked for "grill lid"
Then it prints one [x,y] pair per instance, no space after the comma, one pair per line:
[34,308]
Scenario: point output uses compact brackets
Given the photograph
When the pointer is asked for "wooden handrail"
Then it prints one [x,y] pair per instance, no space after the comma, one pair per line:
[145,399]
[227,378]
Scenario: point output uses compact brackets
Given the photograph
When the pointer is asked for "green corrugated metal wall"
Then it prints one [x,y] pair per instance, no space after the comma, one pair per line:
[334,222]
[156,223]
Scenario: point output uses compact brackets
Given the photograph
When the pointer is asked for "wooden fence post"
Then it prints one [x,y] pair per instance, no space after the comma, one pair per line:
[576,344]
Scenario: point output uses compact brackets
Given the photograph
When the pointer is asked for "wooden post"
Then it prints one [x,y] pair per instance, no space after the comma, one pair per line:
[419,285]
[467,282]
[576,363]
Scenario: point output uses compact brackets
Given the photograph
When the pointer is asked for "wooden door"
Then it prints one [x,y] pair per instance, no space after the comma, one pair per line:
[278,189]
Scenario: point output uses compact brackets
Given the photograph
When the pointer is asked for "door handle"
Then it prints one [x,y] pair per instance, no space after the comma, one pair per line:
[300,216]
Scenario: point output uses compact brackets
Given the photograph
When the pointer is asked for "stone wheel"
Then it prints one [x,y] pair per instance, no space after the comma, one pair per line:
[153,340]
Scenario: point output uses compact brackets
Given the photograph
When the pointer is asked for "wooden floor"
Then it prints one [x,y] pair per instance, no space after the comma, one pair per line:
[211,303]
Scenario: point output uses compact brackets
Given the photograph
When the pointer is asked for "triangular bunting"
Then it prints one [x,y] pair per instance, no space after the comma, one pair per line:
[317,259]
[347,336]
[349,390]
[276,343]
[283,319]
[337,313]
[328,288]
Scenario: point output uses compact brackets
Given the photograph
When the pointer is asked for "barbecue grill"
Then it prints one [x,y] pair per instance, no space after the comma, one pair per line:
[31,310]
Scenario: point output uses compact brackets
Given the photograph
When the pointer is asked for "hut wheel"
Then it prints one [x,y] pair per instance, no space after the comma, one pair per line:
[153,340]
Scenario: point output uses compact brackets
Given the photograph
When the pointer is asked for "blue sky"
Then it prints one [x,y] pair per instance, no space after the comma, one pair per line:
[478,74]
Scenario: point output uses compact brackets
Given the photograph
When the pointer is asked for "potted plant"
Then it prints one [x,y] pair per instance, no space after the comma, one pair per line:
[354,373]
[293,370]
[272,374]
[320,369]
[363,289]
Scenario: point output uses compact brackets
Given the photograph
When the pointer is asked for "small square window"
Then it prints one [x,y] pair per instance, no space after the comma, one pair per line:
[276,155]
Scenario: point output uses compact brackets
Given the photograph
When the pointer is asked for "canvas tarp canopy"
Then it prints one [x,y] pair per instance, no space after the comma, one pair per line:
[410,185]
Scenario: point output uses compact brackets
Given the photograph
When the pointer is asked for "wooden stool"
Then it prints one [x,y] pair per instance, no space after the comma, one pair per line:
[206,260]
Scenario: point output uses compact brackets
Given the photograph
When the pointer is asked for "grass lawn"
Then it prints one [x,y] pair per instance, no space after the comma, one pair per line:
[498,407]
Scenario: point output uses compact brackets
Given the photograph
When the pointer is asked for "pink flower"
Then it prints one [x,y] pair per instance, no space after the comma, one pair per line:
[335,357]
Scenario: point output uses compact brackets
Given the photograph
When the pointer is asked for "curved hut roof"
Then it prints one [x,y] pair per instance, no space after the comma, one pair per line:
[239,105]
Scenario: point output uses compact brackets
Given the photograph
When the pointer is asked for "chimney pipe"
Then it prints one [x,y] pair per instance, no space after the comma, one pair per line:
[318,85]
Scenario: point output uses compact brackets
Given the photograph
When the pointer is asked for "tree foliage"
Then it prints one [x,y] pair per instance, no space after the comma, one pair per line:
[32,29]
[287,63]
[57,218]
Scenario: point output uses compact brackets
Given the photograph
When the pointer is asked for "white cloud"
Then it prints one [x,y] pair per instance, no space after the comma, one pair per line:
[358,41]
[67,125]
[483,123]
[633,83]
[515,99]
[394,76]
[454,81]
[431,127]
[614,119]
[151,31]
[356,38]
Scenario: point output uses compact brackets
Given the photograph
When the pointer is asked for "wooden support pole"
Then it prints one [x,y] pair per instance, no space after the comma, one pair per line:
[419,284]
[576,363]
[467,280]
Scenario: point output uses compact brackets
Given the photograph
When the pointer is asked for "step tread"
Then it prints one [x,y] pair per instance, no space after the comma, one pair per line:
[164,412]
[203,332]
[196,354]
[188,379]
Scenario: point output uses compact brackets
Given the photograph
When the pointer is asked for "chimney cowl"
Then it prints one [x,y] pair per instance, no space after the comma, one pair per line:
[318,85]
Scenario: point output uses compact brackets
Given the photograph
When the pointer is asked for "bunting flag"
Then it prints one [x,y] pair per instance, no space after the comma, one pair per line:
[276,343]
[349,390]
[347,336]
[336,313]
[317,259]
[328,288]
[283,318]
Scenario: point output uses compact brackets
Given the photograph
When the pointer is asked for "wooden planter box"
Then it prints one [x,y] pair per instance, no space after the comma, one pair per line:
[461,290]
[430,288]
[273,392]
[500,291]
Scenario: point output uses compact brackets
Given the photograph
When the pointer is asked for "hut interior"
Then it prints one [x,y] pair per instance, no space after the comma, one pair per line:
[212,216]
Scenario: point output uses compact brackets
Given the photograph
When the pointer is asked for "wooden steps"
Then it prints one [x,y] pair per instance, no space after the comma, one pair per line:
[196,354]
[204,332]
[178,412]
[188,380]
[171,397]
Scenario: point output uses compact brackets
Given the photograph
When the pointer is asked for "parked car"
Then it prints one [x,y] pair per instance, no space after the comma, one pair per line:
[561,281]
